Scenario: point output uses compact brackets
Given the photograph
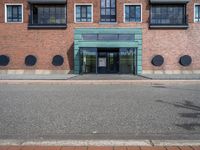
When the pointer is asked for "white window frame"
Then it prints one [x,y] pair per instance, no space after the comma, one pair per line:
[10,4]
[195,4]
[128,4]
[91,4]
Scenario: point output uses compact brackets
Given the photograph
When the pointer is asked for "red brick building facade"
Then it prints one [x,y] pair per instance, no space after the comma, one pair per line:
[17,40]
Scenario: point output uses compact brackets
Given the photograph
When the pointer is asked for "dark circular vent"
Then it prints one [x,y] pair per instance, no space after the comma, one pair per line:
[30,60]
[4,60]
[57,60]
[157,60]
[185,60]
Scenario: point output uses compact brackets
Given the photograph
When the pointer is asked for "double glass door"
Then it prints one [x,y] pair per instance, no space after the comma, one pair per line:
[108,61]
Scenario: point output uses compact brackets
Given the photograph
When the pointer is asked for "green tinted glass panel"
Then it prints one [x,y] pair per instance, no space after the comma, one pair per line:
[127,60]
[88,60]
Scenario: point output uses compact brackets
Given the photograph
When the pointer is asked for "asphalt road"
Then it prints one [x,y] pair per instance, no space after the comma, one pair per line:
[166,111]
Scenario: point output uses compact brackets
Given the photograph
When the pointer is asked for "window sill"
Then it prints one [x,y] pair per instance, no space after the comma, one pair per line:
[133,22]
[35,26]
[83,22]
[13,22]
[108,22]
[155,26]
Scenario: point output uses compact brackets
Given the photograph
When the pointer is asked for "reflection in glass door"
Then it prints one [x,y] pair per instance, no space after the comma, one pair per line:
[127,60]
[113,62]
[108,61]
[88,60]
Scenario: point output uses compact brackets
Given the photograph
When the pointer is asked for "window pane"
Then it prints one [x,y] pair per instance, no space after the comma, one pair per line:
[112,3]
[107,3]
[103,11]
[89,12]
[78,11]
[88,60]
[138,13]
[84,11]
[112,11]
[103,3]
[108,37]
[15,12]
[126,37]
[9,12]
[89,36]
[127,56]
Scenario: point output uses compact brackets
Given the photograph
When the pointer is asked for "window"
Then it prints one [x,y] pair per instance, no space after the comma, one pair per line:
[132,13]
[168,14]
[108,11]
[90,36]
[14,13]
[83,13]
[197,13]
[108,37]
[48,14]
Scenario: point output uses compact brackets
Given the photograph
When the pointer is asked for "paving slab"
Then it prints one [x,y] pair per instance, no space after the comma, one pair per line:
[172,76]
[36,76]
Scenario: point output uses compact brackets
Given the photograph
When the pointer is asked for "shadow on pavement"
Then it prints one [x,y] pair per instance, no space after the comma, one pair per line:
[189,106]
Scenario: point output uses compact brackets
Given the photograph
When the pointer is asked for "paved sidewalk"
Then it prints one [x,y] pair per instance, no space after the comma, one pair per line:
[70,77]
[98,148]
[173,76]
[98,77]
[36,76]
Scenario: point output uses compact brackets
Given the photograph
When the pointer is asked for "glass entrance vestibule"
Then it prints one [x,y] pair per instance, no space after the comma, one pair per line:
[108,60]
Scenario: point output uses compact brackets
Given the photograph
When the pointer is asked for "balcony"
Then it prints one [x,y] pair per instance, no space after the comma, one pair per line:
[164,15]
[47,14]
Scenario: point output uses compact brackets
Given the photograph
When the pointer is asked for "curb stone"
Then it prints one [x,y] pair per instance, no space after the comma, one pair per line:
[99,82]
[148,143]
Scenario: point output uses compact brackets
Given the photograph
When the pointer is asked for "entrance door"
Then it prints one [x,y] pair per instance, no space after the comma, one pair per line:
[108,61]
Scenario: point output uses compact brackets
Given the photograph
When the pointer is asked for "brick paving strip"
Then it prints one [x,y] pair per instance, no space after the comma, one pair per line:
[99,147]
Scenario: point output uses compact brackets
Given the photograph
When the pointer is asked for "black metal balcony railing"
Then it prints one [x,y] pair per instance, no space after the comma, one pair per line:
[32,24]
[172,22]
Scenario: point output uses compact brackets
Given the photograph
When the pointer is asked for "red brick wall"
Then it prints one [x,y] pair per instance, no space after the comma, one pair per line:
[17,41]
